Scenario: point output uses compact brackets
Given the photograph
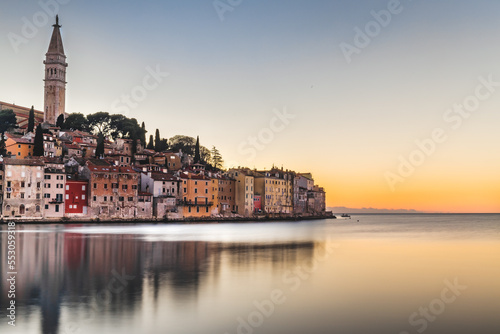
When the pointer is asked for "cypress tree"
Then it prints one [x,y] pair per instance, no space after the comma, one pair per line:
[60,121]
[38,145]
[31,120]
[151,145]
[3,148]
[157,141]
[143,134]
[197,157]
[99,151]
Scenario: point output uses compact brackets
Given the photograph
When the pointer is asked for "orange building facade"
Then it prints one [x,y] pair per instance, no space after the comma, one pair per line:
[18,147]
[196,195]
[223,195]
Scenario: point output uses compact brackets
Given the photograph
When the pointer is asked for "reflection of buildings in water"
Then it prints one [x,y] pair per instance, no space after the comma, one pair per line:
[40,273]
[95,266]
[58,266]
[279,255]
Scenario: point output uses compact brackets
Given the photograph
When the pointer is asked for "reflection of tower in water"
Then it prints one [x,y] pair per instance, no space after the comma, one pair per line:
[56,266]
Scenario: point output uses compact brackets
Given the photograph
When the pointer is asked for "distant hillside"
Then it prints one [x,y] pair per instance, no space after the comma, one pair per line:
[343,209]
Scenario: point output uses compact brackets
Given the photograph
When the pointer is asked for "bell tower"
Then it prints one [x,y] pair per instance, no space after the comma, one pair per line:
[55,77]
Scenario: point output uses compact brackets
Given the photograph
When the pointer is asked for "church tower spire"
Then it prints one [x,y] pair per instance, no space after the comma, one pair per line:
[55,77]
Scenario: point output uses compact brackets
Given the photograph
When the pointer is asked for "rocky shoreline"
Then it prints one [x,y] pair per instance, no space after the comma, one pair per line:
[202,220]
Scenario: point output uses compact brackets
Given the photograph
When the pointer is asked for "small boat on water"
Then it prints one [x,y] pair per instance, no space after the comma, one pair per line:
[345,215]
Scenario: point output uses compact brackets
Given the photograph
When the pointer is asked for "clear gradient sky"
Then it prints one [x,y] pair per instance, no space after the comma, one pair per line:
[352,120]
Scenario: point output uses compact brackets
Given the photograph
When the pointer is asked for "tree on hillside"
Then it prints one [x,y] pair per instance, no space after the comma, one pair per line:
[151,144]
[197,157]
[157,141]
[76,121]
[8,120]
[60,121]
[116,124]
[143,134]
[100,123]
[217,161]
[99,151]
[205,154]
[31,120]
[163,144]
[123,127]
[3,148]
[184,143]
[38,149]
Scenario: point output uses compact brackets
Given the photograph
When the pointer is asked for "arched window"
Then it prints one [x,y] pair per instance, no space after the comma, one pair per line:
[37,209]
[22,209]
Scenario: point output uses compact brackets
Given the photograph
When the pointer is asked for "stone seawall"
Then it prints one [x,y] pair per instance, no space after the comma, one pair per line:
[203,220]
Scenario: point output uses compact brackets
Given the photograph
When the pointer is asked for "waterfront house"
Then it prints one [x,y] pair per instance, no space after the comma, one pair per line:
[244,190]
[276,188]
[144,205]
[113,190]
[302,184]
[223,195]
[23,188]
[76,197]
[196,195]
[165,190]
[53,193]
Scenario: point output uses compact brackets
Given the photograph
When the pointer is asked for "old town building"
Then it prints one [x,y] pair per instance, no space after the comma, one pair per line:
[165,190]
[18,146]
[76,197]
[53,194]
[23,188]
[244,189]
[276,190]
[223,195]
[196,195]
[113,190]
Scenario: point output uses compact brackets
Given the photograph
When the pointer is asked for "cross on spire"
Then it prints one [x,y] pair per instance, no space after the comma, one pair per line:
[57,22]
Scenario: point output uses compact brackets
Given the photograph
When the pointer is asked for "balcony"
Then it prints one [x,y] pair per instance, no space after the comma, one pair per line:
[194,203]
[56,201]
[166,196]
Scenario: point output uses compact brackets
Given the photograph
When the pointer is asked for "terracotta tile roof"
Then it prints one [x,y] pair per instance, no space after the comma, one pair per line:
[23,162]
[148,152]
[307,176]
[22,114]
[53,160]
[98,162]
[18,139]
[84,134]
[128,170]
[163,177]
[110,169]
[195,177]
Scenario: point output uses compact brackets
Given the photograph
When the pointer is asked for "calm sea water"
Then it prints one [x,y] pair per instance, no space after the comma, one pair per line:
[369,274]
